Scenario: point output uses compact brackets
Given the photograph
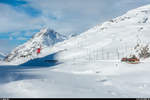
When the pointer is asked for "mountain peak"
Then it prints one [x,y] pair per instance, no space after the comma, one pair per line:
[48,37]
[45,38]
[44,31]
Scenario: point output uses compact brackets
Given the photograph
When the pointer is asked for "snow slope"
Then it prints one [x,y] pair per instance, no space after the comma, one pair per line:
[45,38]
[90,64]
[111,40]
[76,80]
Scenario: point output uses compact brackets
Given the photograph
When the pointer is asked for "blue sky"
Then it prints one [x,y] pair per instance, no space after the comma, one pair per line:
[20,19]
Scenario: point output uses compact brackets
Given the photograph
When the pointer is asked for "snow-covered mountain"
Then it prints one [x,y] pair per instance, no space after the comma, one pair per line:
[45,38]
[113,39]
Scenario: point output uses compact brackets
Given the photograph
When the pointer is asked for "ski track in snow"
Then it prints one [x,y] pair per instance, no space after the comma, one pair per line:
[68,80]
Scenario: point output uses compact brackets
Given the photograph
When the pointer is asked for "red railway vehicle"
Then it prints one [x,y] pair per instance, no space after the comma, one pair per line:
[132,60]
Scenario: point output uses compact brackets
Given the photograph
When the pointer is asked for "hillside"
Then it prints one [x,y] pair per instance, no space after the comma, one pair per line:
[111,40]
[43,39]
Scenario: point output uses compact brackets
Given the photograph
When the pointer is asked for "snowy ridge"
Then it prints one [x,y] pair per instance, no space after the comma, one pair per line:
[117,38]
[120,34]
[45,38]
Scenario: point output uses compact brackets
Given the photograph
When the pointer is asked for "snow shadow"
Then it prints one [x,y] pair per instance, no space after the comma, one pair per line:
[22,71]
[14,73]
[47,61]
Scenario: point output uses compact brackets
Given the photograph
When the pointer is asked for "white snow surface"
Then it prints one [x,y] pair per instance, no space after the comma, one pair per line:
[88,64]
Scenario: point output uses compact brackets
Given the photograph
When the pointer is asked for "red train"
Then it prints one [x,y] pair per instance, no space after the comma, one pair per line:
[131,60]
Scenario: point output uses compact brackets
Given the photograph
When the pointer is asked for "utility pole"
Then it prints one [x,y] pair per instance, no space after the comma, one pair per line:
[102,54]
[118,55]
[97,54]
[107,55]
[89,56]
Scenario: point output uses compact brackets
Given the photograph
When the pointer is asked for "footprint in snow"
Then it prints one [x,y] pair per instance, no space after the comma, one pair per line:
[101,80]
[105,82]
[97,72]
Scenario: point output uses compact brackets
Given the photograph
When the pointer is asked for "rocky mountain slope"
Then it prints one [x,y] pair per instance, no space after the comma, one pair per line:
[43,39]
